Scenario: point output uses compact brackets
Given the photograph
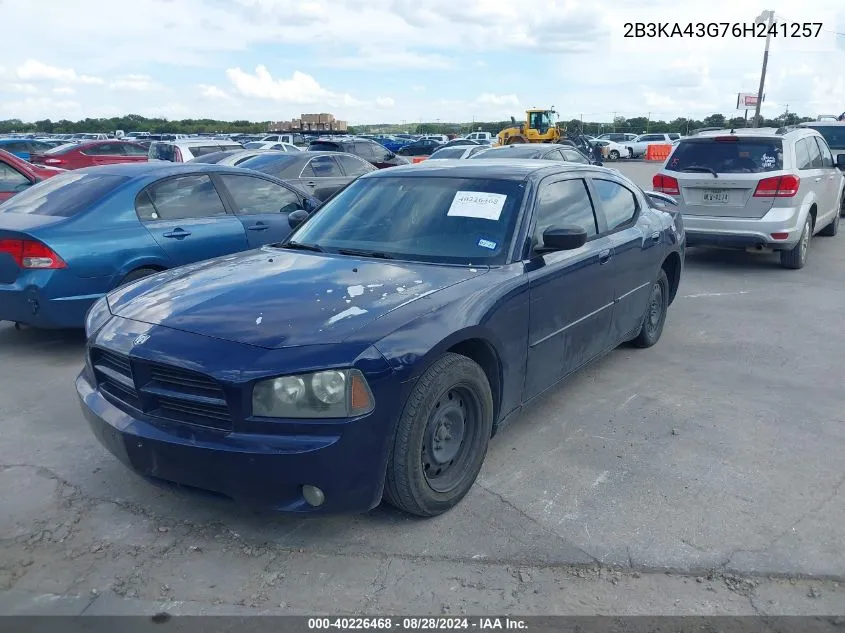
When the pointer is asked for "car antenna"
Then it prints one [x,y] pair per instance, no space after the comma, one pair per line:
[732,131]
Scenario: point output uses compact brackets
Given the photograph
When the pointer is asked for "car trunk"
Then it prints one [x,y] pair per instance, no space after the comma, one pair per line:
[729,195]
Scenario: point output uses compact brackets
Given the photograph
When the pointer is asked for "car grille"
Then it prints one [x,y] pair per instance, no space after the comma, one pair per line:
[161,391]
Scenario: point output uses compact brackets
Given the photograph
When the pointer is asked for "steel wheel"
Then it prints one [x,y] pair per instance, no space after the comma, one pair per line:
[655,309]
[449,434]
[805,240]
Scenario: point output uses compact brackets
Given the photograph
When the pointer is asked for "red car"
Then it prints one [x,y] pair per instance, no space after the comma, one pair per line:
[91,154]
[16,174]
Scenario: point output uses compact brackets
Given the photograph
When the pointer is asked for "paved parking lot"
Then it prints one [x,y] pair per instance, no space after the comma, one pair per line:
[704,475]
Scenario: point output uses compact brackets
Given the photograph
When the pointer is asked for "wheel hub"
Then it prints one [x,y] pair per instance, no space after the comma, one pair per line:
[447,435]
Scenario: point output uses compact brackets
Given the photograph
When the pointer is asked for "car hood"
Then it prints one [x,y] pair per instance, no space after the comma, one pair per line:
[275,298]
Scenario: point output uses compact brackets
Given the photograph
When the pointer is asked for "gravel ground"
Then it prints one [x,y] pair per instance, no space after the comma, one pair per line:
[701,476]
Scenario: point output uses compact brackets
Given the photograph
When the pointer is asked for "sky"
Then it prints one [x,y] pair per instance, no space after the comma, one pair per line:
[376,61]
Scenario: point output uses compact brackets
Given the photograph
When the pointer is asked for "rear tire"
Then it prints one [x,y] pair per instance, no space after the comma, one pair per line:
[613,155]
[135,275]
[655,313]
[441,439]
[796,257]
[831,229]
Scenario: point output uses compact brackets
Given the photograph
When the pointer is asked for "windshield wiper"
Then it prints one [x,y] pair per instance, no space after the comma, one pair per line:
[363,253]
[303,247]
[709,170]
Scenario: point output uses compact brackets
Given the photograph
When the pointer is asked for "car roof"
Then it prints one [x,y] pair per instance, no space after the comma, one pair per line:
[159,169]
[525,148]
[495,168]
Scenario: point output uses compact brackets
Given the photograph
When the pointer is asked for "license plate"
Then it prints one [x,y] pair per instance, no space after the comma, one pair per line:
[717,196]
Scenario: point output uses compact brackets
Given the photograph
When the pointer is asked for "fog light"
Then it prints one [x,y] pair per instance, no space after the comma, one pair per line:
[313,495]
[780,236]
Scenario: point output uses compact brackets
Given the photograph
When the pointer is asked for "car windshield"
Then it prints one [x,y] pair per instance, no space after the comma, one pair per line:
[465,221]
[510,152]
[162,151]
[64,195]
[729,156]
[254,145]
[270,163]
[833,134]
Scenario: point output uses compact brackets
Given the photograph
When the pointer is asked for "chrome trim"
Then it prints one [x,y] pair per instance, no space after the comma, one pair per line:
[566,327]
[630,292]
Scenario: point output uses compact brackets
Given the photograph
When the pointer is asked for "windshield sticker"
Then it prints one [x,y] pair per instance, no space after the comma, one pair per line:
[477,204]
[487,244]
[767,161]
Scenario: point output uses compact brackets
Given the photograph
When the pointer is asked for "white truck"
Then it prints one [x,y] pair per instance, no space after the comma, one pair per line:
[480,136]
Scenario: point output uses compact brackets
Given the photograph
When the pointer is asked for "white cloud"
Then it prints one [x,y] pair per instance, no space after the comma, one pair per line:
[300,89]
[213,92]
[33,108]
[26,89]
[498,100]
[64,90]
[34,70]
[376,59]
[385,102]
[418,88]
[134,83]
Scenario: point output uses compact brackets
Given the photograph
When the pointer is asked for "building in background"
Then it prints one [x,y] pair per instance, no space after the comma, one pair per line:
[323,122]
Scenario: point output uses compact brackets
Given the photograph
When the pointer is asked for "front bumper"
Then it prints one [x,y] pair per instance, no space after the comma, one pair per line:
[746,232]
[261,465]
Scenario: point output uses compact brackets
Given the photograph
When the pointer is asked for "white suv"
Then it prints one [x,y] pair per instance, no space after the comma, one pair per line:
[759,189]
[182,151]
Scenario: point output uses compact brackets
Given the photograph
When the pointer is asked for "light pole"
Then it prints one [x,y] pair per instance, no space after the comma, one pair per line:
[768,18]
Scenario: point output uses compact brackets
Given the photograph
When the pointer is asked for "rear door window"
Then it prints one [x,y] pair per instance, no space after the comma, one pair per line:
[256,195]
[180,198]
[824,150]
[354,166]
[618,203]
[202,150]
[803,158]
[575,157]
[322,167]
[816,161]
[739,156]
[64,195]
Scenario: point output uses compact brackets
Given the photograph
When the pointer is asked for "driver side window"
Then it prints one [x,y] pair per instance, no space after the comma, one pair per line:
[564,203]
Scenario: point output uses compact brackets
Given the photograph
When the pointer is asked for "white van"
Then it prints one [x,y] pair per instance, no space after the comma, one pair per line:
[182,151]
[479,136]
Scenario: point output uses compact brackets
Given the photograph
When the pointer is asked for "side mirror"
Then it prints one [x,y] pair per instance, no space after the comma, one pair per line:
[311,205]
[297,217]
[563,238]
[840,161]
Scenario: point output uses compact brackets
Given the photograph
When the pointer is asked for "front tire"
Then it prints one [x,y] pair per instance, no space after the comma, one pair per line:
[441,439]
[796,257]
[613,155]
[655,314]
[135,275]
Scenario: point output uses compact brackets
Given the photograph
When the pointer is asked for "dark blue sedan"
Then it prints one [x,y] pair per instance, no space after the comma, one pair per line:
[66,242]
[375,353]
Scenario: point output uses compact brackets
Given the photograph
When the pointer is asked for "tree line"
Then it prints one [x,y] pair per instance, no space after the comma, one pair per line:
[137,123]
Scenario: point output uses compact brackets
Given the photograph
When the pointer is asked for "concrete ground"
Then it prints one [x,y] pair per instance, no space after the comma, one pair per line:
[701,476]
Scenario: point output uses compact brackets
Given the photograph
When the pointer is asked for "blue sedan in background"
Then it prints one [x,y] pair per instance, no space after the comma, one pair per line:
[24,147]
[67,241]
[377,350]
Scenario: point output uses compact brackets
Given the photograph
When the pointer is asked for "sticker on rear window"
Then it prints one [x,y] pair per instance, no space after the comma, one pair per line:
[477,204]
[767,161]
[487,244]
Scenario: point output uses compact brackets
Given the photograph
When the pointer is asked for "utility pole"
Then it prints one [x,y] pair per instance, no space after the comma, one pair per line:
[614,121]
[648,122]
[768,17]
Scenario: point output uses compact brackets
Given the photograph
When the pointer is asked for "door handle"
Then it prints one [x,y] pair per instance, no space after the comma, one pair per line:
[605,256]
[178,233]
[311,184]
[258,227]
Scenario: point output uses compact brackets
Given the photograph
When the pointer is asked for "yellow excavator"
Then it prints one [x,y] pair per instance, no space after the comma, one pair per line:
[540,126]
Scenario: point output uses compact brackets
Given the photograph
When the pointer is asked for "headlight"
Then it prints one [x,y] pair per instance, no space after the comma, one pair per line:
[98,315]
[335,393]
